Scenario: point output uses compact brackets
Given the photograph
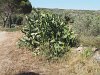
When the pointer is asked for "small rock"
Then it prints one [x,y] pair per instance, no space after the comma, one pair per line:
[94,49]
[97,56]
[80,48]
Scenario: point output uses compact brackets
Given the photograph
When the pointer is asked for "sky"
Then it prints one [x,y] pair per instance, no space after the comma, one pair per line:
[67,4]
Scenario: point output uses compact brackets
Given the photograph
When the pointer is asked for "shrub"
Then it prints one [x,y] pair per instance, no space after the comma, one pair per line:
[17,19]
[49,33]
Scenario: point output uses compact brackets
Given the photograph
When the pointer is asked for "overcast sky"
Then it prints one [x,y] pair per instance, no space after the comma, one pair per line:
[67,4]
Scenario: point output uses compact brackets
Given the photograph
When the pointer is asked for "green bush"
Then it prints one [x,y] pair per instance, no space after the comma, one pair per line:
[49,33]
[17,19]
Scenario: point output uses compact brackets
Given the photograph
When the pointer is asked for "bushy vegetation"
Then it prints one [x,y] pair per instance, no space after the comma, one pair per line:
[49,33]
[84,22]
[52,34]
[17,19]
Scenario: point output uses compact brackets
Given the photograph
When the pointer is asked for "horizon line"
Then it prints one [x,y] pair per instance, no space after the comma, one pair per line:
[67,8]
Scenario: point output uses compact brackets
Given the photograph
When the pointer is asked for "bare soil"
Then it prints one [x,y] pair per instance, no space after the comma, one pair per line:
[12,59]
[15,61]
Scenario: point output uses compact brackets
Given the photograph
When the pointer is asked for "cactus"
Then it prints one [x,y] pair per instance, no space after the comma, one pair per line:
[45,28]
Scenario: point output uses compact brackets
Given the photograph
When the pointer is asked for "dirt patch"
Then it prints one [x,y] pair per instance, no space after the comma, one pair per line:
[12,59]
[2,36]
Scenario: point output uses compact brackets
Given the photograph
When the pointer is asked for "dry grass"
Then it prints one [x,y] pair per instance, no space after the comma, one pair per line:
[14,61]
[90,41]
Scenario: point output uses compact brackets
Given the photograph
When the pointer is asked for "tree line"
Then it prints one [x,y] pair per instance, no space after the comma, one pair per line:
[9,8]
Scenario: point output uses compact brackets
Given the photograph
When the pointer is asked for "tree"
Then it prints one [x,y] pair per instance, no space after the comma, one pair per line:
[11,7]
[23,6]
